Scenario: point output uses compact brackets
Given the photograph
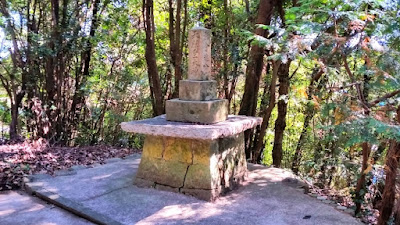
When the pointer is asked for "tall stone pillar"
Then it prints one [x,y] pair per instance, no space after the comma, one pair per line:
[198,100]
[199,54]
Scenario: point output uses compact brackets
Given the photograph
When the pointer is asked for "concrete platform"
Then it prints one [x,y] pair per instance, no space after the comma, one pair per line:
[159,126]
[106,194]
[17,207]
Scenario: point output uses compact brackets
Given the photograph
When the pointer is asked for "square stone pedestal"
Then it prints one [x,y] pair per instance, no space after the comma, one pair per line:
[201,168]
[205,112]
[201,160]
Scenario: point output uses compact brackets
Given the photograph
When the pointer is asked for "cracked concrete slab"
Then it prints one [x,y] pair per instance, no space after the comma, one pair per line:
[107,191]
[20,208]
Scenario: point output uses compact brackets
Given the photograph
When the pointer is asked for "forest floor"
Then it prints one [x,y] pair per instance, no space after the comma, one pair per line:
[19,160]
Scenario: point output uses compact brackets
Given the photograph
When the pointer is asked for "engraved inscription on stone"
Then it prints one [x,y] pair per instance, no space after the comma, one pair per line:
[198,100]
[199,54]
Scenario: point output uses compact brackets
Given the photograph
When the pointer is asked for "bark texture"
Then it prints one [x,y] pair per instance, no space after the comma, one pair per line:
[280,123]
[389,193]
[256,63]
[150,55]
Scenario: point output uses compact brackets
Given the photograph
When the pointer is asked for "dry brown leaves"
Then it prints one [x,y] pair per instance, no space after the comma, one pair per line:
[20,160]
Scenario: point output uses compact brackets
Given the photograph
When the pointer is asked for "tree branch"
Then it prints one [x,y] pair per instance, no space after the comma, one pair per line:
[389,95]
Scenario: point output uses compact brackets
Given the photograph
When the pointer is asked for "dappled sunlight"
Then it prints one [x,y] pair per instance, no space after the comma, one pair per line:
[101,177]
[34,208]
[188,213]
[6,212]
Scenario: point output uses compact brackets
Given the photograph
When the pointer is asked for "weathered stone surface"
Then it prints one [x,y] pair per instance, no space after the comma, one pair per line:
[233,161]
[178,150]
[206,112]
[205,165]
[170,173]
[143,183]
[153,147]
[203,150]
[197,90]
[198,177]
[159,126]
[199,54]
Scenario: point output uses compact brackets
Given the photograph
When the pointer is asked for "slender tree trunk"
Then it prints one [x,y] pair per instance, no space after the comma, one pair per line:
[225,54]
[172,47]
[51,71]
[150,55]
[14,122]
[256,63]
[254,69]
[359,196]
[178,52]
[259,139]
[389,193]
[280,123]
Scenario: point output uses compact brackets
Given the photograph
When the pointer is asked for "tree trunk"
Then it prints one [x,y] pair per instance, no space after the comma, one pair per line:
[169,93]
[150,55]
[14,122]
[225,55]
[178,52]
[175,42]
[389,193]
[388,196]
[255,63]
[280,123]
[254,69]
[259,139]
[359,196]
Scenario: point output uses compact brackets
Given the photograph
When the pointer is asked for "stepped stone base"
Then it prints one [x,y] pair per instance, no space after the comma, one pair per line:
[204,169]
[197,90]
[205,112]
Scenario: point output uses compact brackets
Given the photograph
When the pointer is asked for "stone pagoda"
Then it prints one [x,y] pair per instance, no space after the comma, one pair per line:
[198,100]
[196,148]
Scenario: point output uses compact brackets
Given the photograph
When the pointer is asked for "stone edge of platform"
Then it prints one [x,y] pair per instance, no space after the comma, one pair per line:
[211,133]
[37,189]
[33,186]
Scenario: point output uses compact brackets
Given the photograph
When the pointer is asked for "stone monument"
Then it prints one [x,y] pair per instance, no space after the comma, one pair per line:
[196,148]
[198,100]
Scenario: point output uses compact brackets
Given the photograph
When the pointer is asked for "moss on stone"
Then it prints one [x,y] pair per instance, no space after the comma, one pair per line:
[153,147]
[178,149]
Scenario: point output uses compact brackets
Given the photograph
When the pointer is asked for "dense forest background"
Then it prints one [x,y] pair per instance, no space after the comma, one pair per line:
[323,74]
